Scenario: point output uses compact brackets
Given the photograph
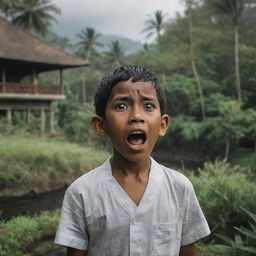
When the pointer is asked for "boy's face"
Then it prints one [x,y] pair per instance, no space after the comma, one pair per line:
[133,120]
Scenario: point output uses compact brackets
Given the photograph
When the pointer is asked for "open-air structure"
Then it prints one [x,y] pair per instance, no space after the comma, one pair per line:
[23,55]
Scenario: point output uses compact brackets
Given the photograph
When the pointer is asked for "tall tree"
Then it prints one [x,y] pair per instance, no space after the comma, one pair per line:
[116,54]
[89,38]
[7,8]
[155,24]
[189,4]
[34,15]
[234,9]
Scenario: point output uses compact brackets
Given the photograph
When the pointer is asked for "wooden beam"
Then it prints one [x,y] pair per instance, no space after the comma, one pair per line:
[3,79]
[61,81]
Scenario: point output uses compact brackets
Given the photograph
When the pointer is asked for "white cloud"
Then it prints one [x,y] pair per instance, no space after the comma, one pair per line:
[115,17]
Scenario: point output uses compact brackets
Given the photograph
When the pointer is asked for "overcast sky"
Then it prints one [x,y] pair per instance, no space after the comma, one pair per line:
[111,17]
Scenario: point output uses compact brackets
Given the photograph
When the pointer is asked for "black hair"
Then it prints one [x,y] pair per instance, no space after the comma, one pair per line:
[124,73]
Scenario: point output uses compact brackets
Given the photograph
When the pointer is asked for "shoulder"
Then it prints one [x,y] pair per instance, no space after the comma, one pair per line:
[91,179]
[177,182]
[177,178]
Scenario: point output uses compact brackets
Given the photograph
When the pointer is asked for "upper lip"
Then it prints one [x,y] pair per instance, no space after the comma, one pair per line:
[134,131]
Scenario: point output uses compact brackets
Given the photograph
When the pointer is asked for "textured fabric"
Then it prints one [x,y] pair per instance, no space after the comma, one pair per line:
[99,216]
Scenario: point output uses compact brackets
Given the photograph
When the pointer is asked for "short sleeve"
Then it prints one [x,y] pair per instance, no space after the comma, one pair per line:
[71,231]
[194,224]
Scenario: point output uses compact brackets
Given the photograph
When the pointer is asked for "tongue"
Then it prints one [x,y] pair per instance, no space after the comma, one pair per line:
[136,141]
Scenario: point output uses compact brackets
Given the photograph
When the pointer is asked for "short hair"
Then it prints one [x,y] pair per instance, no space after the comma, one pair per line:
[124,73]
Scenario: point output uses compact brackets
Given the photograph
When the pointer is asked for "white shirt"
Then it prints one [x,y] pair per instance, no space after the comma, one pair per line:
[98,215]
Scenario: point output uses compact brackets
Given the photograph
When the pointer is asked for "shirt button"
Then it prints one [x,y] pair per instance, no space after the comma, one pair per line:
[135,221]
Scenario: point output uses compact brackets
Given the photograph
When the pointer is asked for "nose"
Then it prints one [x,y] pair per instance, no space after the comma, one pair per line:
[136,116]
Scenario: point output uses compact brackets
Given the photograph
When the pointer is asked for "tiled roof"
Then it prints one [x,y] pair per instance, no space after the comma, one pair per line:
[16,44]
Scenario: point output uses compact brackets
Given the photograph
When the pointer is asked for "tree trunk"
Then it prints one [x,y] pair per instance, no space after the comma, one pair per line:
[237,71]
[227,147]
[194,68]
[88,55]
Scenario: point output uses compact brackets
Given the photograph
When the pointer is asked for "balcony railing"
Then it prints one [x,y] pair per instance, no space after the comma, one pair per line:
[32,89]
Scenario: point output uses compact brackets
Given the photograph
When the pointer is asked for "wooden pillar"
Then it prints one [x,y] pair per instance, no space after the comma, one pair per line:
[42,121]
[9,115]
[83,91]
[28,116]
[61,81]
[34,80]
[51,118]
[3,79]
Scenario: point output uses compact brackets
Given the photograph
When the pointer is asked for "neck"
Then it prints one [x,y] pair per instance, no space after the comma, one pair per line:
[122,166]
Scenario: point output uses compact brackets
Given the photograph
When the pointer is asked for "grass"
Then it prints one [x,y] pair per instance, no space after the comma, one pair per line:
[36,163]
[19,235]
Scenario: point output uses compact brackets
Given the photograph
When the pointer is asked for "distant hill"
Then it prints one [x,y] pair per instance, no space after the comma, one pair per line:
[130,46]
[65,29]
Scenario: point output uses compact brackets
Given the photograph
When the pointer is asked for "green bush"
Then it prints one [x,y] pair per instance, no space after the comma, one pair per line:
[20,234]
[222,190]
[244,243]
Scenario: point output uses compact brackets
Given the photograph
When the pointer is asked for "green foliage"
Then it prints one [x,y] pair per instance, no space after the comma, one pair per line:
[222,190]
[19,126]
[75,120]
[18,235]
[28,163]
[88,40]
[244,158]
[115,56]
[244,243]
[155,24]
[34,15]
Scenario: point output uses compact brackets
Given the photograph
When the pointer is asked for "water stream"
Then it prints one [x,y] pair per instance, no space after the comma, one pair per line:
[30,204]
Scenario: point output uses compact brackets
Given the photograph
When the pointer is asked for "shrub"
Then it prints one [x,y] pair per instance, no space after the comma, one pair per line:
[244,243]
[18,235]
[222,190]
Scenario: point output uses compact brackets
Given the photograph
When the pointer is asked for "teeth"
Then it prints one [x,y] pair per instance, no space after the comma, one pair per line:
[137,132]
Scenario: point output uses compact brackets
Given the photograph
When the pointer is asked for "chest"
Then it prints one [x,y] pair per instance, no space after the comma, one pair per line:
[134,189]
[115,219]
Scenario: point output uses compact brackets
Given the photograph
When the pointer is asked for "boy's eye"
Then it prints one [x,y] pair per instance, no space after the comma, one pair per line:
[121,106]
[149,106]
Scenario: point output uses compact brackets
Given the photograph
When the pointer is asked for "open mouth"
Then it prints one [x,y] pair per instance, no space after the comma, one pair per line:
[136,138]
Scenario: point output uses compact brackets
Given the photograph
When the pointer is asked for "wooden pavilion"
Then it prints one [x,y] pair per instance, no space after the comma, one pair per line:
[23,55]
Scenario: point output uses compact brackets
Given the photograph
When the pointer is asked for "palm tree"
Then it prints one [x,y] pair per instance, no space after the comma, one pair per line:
[34,15]
[63,43]
[189,4]
[234,9]
[155,24]
[116,54]
[89,39]
[7,8]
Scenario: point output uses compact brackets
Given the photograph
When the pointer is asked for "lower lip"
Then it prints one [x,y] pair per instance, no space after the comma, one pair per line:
[136,147]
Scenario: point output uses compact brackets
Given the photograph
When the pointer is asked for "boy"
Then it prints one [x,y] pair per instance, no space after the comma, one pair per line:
[131,205]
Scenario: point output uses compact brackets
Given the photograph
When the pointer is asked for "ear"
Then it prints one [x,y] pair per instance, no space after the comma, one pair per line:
[97,124]
[164,125]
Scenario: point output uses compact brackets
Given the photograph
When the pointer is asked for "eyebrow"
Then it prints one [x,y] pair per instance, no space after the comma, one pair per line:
[121,98]
[126,98]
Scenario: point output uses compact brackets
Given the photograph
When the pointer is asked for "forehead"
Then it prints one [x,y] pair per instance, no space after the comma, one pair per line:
[133,88]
